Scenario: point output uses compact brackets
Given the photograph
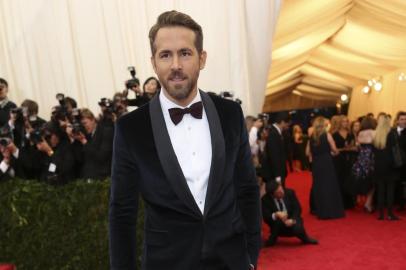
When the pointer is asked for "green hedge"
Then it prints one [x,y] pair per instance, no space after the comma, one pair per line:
[63,227]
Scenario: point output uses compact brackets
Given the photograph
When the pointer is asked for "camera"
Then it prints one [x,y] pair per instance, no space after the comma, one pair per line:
[5,136]
[264,117]
[133,82]
[36,136]
[77,126]
[21,114]
[61,99]
[230,96]
[59,113]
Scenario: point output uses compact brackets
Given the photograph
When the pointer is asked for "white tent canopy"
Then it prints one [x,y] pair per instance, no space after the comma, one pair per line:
[323,49]
[82,48]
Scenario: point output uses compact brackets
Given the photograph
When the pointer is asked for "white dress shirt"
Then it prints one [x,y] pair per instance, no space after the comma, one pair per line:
[253,136]
[191,142]
[278,129]
[399,130]
[278,178]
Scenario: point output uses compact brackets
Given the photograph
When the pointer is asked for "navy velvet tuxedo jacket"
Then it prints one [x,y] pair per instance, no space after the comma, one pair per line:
[177,234]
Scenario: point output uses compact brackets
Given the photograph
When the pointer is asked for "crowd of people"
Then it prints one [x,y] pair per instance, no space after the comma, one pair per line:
[359,164]
[72,144]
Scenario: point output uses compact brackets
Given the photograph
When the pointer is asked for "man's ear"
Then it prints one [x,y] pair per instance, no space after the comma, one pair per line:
[202,59]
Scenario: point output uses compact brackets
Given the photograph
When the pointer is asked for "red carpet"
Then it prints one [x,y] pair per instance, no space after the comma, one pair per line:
[359,241]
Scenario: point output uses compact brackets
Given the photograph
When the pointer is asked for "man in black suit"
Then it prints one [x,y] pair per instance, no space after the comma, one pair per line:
[400,131]
[97,147]
[276,157]
[282,212]
[191,163]
[5,104]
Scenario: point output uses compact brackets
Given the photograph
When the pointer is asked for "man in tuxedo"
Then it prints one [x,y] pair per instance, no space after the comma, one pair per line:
[6,105]
[95,152]
[191,163]
[282,212]
[400,131]
[276,157]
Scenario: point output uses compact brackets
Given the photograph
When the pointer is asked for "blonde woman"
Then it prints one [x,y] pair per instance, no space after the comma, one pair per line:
[325,199]
[298,149]
[335,123]
[384,175]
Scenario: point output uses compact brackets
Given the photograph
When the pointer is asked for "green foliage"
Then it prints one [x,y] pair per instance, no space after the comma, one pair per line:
[63,227]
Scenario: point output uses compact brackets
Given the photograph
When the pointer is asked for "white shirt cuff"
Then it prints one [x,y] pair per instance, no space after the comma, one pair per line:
[4,166]
[10,123]
[16,153]
[278,179]
[274,216]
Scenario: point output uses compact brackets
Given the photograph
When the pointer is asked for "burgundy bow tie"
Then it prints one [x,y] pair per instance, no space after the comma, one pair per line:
[196,110]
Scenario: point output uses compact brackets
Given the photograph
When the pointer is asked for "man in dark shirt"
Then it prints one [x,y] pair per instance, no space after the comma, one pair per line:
[282,213]
[5,104]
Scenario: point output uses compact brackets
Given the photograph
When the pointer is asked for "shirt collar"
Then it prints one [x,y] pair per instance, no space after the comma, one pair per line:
[278,129]
[167,104]
[4,102]
[399,129]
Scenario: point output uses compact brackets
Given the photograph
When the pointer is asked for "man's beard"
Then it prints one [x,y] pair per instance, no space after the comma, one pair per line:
[179,91]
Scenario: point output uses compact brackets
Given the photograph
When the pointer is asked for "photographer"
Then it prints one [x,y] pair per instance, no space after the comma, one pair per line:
[9,165]
[5,104]
[111,110]
[141,97]
[97,147]
[151,87]
[57,157]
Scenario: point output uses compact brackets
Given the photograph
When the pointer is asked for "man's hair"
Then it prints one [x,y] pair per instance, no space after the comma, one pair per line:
[272,186]
[282,116]
[399,114]
[31,105]
[368,123]
[175,18]
[86,113]
[3,81]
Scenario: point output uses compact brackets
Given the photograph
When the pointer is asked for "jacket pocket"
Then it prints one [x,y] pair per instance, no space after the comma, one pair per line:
[156,237]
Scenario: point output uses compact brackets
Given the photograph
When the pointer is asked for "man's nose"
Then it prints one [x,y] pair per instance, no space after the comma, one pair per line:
[176,63]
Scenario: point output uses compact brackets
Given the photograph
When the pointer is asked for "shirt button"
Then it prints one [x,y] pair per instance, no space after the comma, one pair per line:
[189,128]
[200,202]
[194,153]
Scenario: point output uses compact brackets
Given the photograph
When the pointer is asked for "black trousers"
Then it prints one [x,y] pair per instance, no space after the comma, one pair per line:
[386,193]
[278,228]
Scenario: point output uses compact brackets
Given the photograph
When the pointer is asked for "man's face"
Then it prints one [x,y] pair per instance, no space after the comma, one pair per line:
[258,123]
[285,125]
[177,62]
[3,91]
[279,193]
[88,124]
[402,121]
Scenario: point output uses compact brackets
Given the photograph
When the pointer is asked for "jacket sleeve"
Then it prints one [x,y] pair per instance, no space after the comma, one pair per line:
[273,154]
[123,205]
[248,193]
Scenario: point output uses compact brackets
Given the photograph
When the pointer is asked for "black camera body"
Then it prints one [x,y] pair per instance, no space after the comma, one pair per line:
[230,96]
[36,136]
[133,82]
[21,114]
[6,136]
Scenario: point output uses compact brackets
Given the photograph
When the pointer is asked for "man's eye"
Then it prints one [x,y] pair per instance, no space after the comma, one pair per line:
[186,54]
[164,55]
